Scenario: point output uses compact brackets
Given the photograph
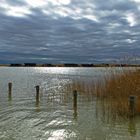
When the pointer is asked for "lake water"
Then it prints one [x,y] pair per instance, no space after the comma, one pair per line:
[54,118]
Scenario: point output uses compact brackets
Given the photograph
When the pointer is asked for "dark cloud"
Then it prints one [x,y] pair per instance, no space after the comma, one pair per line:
[120,5]
[15,2]
[92,31]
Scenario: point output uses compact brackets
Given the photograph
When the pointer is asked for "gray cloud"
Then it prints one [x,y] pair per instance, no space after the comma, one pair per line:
[91,31]
[15,2]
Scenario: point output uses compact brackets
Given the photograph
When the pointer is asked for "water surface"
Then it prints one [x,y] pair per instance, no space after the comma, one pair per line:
[54,118]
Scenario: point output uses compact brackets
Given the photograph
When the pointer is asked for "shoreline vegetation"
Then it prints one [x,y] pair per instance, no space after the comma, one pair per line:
[117,89]
[68,65]
[114,91]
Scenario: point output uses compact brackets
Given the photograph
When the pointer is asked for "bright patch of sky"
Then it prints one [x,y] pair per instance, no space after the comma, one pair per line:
[36,3]
[131,19]
[18,11]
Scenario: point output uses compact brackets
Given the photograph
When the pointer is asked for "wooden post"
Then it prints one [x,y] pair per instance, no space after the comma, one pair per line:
[132,101]
[37,93]
[75,98]
[10,90]
[75,103]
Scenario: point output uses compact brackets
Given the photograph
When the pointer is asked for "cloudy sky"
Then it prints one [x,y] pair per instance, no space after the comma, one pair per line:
[69,31]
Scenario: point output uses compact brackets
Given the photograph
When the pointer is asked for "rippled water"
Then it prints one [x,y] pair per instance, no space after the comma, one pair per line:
[54,118]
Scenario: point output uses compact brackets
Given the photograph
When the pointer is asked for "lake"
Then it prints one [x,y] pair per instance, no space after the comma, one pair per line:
[54,118]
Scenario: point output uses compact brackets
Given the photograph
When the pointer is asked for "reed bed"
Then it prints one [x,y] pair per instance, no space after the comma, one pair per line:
[112,91]
[117,88]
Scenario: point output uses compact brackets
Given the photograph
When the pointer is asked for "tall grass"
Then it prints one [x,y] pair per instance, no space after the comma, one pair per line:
[112,91]
[117,88]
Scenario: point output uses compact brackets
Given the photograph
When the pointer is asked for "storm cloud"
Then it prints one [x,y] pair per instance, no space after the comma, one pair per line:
[69,31]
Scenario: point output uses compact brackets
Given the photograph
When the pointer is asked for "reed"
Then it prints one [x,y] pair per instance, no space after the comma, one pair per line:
[117,88]
[113,90]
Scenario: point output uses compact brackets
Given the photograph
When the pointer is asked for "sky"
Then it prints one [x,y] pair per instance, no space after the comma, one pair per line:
[69,31]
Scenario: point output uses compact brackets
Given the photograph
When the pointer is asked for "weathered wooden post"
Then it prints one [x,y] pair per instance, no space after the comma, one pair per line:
[75,103]
[132,102]
[75,98]
[10,90]
[37,94]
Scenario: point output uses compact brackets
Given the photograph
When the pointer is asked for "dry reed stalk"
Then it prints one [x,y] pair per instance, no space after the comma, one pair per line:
[118,87]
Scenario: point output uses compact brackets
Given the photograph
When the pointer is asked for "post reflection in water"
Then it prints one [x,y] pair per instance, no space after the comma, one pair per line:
[37,105]
[9,98]
[75,115]
[132,127]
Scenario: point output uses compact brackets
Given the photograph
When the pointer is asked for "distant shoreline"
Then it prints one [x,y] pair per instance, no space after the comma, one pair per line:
[68,65]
